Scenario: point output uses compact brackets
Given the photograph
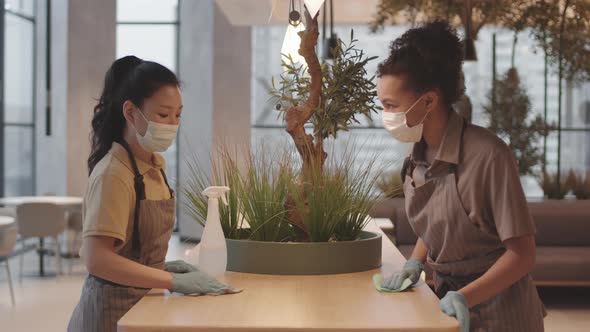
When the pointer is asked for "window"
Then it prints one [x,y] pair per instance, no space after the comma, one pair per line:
[266,126]
[19,102]
[24,7]
[149,29]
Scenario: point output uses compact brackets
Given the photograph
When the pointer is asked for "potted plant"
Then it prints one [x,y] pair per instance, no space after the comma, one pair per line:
[553,188]
[391,201]
[579,184]
[561,30]
[298,210]
[508,110]
[391,184]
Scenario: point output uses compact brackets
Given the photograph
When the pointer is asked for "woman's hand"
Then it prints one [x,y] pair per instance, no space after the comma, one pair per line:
[455,305]
[199,283]
[515,263]
[412,270]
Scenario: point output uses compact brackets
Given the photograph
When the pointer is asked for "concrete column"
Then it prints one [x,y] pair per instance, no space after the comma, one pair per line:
[83,42]
[91,50]
[215,69]
[232,93]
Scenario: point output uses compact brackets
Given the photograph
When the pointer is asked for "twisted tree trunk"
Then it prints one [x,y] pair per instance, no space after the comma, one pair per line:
[312,154]
[309,147]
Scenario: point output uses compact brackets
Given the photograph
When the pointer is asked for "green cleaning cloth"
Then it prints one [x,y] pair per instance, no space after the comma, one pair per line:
[378,281]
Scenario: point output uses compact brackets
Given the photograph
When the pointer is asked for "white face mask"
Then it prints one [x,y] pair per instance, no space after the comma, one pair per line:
[158,136]
[396,125]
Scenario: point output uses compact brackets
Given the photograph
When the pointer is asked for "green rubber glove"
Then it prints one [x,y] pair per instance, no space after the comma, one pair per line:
[411,270]
[179,266]
[455,305]
[199,283]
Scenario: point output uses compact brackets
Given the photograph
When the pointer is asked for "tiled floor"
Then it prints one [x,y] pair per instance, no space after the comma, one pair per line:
[45,304]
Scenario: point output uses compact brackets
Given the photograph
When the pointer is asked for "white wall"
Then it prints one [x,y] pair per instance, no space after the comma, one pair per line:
[91,50]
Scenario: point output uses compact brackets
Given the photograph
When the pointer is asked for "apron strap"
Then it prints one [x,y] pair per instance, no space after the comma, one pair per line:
[166,181]
[139,196]
[453,167]
[409,165]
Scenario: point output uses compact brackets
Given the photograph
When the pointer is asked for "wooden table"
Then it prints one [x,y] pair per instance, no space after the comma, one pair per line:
[329,303]
[68,202]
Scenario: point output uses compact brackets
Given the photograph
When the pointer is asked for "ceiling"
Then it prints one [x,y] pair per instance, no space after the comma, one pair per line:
[258,12]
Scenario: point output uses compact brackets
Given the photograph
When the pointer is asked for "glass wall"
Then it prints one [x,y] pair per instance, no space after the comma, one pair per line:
[19,102]
[575,154]
[149,29]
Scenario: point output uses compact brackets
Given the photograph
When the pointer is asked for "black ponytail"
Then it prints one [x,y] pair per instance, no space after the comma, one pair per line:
[129,78]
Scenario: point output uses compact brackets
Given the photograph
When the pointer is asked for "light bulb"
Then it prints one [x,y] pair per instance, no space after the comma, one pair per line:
[313,6]
[291,44]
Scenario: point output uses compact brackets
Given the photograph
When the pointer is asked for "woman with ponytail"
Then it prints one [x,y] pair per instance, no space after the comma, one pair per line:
[129,208]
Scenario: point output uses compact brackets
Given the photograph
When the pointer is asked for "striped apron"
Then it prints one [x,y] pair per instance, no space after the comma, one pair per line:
[459,252]
[103,302]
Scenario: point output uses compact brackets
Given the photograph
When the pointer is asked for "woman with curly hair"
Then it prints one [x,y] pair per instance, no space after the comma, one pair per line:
[463,194]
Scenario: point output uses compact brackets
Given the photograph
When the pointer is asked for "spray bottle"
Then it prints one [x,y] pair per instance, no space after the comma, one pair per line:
[212,249]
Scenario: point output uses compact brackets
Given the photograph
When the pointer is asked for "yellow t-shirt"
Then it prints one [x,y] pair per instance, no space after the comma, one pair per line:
[109,202]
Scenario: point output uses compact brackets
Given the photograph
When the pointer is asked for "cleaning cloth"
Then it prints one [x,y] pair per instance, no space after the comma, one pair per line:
[378,281]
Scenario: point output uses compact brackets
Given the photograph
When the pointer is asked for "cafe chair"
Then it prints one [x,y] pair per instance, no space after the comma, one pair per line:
[7,242]
[41,220]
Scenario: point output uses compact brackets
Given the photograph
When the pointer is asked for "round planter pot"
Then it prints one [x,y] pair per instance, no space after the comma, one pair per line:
[296,258]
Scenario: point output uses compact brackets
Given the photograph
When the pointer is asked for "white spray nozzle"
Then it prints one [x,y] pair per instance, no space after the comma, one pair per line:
[216,192]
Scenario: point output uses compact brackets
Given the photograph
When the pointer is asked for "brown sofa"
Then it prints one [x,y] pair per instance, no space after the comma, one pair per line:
[563,239]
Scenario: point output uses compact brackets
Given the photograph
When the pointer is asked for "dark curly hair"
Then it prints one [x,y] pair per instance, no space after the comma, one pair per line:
[429,56]
[128,78]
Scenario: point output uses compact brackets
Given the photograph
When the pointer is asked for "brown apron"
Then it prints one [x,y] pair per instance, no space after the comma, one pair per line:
[459,252]
[103,302]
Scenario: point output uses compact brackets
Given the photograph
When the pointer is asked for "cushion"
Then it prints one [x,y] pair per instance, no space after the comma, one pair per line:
[562,264]
[553,263]
[562,223]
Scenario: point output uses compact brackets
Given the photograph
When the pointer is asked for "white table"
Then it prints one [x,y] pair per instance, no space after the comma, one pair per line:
[68,202]
[65,201]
